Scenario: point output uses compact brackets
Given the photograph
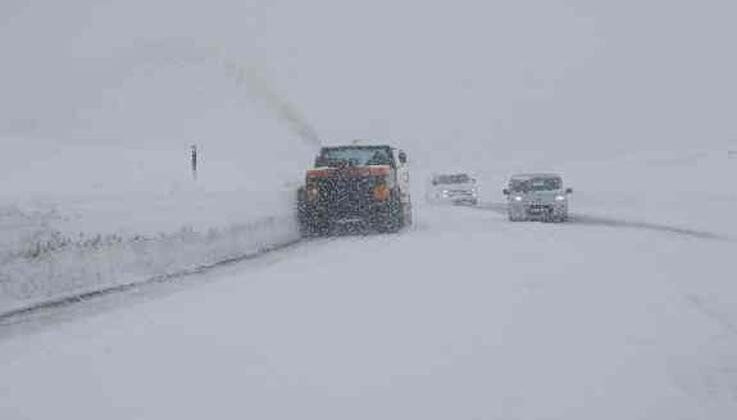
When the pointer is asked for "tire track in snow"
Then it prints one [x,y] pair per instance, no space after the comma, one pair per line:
[600,221]
[705,308]
[582,219]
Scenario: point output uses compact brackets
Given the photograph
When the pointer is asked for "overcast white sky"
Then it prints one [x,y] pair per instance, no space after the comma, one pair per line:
[471,78]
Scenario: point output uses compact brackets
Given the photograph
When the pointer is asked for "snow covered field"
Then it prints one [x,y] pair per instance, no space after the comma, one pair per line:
[627,312]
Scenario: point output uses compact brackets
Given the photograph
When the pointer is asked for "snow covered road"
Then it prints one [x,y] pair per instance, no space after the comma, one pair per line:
[466,316]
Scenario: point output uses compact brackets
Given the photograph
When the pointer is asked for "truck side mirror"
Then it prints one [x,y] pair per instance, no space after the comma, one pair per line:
[402,157]
[569,190]
[505,191]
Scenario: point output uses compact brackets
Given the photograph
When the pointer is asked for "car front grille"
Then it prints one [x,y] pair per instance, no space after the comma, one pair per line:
[539,207]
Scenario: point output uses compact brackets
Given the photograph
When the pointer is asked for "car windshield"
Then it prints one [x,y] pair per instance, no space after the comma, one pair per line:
[355,156]
[535,184]
[451,179]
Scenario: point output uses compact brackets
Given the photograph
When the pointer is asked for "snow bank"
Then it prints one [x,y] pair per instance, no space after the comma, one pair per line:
[85,217]
[50,253]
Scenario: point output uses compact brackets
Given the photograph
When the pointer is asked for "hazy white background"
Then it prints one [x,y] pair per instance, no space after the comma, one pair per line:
[465,80]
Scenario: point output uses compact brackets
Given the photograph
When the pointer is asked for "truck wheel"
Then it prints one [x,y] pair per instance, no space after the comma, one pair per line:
[309,224]
[313,228]
[306,230]
[302,217]
[393,220]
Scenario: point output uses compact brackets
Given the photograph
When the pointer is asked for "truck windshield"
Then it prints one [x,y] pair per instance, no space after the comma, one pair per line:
[451,179]
[355,156]
[535,184]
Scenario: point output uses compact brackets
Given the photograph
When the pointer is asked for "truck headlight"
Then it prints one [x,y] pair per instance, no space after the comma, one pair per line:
[517,198]
[313,193]
[381,192]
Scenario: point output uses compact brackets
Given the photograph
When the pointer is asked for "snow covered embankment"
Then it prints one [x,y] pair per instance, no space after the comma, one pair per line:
[55,251]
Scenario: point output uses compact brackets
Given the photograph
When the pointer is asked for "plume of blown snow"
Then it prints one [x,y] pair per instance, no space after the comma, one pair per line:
[250,77]
[257,84]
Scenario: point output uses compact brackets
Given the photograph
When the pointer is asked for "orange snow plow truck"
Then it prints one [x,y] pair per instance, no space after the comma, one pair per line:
[356,187]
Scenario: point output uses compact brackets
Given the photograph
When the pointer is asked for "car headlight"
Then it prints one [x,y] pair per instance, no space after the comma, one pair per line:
[445,193]
[560,198]
[517,198]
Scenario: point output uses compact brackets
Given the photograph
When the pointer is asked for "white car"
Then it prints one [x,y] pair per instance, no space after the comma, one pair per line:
[457,188]
[537,197]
